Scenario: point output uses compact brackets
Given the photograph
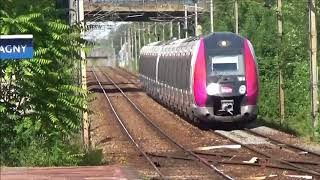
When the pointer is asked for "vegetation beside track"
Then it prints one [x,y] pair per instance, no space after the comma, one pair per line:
[41,103]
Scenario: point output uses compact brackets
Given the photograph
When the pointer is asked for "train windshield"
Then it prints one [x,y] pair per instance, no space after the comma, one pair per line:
[226,65]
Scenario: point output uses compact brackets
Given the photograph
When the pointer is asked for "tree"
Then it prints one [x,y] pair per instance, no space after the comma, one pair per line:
[41,104]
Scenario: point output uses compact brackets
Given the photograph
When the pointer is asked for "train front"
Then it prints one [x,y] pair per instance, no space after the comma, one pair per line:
[225,81]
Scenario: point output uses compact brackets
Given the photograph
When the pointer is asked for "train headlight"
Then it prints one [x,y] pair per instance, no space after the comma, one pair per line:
[213,89]
[242,89]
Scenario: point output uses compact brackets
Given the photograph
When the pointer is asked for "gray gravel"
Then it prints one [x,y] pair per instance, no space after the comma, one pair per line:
[243,137]
[310,146]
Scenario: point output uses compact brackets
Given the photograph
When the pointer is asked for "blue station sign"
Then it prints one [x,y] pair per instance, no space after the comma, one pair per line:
[16,46]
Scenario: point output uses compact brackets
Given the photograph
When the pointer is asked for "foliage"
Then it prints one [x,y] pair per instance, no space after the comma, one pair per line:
[41,103]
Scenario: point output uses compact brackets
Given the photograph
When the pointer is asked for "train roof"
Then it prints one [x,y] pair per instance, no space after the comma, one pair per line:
[215,35]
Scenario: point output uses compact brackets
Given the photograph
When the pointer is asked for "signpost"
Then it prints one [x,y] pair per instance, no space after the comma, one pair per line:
[16,46]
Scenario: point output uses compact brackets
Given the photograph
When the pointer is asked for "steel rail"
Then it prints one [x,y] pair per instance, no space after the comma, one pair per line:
[231,162]
[315,163]
[126,130]
[281,142]
[297,167]
[130,73]
[121,73]
[204,161]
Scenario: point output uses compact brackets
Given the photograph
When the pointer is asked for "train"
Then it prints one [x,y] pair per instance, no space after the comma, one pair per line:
[207,79]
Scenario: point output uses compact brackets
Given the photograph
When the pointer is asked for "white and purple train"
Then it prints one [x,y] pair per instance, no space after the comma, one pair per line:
[212,78]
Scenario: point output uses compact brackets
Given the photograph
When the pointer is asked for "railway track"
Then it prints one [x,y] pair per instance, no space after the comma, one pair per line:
[305,159]
[229,159]
[140,148]
[294,165]
[282,144]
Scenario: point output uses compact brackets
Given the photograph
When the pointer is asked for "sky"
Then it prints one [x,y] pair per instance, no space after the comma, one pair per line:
[101,31]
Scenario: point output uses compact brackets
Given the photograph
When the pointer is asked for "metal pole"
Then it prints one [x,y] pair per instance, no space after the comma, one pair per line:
[179,31]
[117,60]
[236,15]
[121,41]
[111,43]
[139,46]
[131,45]
[155,31]
[149,38]
[139,39]
[314,70]
[171,29]
[281,83]
[143,34]
[162,32]
[135,49]
[186,21]
[85,119]
[211,16]
[196,19]
[72,13]
[126,47]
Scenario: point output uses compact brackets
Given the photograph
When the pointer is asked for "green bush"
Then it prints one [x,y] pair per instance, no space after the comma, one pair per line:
[41,103]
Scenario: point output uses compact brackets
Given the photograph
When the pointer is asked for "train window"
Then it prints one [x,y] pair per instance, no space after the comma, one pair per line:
[172,70]
[226,65]
[188,68]
[178,72]
[166,68]
[181,72]
[160,69]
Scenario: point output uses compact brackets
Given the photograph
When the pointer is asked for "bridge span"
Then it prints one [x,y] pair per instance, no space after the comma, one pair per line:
[138,10]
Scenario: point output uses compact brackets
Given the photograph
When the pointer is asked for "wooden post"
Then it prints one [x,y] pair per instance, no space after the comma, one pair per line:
[281,83]
[314,70]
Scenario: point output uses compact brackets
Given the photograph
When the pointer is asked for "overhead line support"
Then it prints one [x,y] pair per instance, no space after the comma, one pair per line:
[313,65]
